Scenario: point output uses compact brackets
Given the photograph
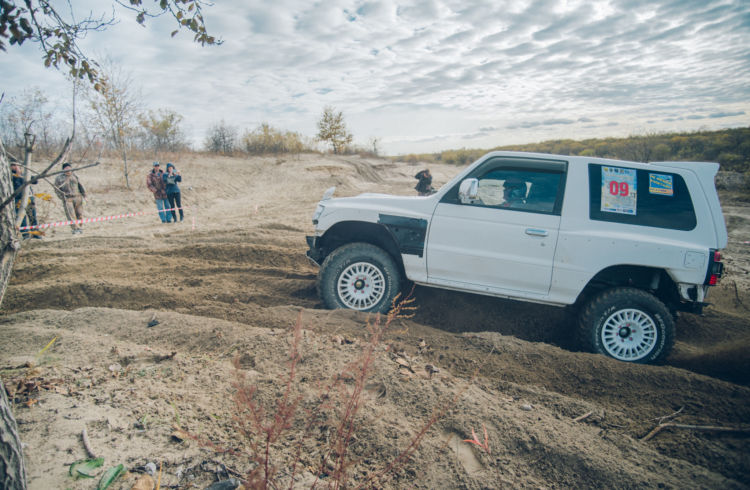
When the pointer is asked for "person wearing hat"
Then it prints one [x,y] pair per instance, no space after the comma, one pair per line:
[72,193]
[155,183]
[171,178]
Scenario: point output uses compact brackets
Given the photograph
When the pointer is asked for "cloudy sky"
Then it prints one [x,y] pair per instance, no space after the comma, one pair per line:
[424,76]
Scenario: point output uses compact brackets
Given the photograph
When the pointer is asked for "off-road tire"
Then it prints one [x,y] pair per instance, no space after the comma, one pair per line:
[359,276]
[627,324]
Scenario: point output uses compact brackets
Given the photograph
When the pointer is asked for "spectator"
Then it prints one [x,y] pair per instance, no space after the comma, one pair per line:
[424,186]
[17,184]
[70,190]
[155,183]
[30,218]
[171,178]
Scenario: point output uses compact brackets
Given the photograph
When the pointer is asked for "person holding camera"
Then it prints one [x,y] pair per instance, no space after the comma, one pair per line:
[171,178]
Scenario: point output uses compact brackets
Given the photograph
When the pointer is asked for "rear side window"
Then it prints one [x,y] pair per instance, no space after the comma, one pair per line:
[639,197]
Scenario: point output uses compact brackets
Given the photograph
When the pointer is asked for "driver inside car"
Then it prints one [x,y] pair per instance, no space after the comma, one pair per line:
[514,191]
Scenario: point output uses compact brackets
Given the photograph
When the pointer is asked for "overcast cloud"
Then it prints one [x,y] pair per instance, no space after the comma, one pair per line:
[430,75]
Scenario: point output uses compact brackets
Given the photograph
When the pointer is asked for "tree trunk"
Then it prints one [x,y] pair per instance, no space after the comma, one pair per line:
[12,469]
[9,244]
[125,167]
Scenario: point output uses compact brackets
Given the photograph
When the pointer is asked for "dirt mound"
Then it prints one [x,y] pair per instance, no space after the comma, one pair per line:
[231,281]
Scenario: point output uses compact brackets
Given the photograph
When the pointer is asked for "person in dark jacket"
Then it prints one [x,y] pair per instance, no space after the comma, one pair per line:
[30,218]
[155,183]
[18,182]
[424,186]
[171,178]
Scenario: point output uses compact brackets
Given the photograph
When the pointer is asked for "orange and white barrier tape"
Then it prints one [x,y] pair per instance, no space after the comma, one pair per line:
[96,220]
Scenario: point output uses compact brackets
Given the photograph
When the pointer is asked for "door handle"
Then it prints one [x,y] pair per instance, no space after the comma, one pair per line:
[536,232]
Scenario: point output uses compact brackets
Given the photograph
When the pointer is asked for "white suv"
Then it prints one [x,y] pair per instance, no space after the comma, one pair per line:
[630,244]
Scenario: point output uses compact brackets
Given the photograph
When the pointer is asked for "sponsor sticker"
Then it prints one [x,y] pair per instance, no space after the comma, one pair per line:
[619,190]
[660,184]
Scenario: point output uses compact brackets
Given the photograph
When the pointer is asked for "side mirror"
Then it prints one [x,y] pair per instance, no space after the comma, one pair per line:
[468,191]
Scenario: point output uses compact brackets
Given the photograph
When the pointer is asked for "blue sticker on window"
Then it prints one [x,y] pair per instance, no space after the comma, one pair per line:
[660,184]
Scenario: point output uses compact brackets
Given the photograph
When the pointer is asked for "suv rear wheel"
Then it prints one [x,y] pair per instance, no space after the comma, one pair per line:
[359,276]
[627,324]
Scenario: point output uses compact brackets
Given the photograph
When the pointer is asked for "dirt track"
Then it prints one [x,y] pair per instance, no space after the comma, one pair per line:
[231,280]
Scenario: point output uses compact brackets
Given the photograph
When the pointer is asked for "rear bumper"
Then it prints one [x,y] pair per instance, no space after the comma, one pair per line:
[692,307]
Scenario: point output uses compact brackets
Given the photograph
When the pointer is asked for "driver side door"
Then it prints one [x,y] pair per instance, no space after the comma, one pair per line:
[484,244]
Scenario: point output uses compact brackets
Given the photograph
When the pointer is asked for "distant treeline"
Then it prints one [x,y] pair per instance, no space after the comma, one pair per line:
[728,147]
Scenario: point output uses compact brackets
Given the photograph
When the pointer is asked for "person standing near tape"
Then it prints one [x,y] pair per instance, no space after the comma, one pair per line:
[155,183]
[17,183]
[72,193]
[171,178]
[30,217]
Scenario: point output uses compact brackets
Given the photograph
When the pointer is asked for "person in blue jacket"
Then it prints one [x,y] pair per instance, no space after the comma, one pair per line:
[171,178]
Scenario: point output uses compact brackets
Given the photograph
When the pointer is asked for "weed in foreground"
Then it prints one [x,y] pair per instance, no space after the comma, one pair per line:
[269,431]
[282,437]
[475,440]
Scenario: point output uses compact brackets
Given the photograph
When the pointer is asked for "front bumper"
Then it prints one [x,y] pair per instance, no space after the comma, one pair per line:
[314,253]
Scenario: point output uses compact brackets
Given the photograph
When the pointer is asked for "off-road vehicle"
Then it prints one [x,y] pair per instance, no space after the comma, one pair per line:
[627,244]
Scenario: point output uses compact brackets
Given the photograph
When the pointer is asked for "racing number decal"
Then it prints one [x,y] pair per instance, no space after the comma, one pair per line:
[619,188]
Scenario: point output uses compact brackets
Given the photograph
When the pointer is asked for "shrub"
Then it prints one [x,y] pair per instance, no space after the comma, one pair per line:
[266,139]
[460,157]
[221,138]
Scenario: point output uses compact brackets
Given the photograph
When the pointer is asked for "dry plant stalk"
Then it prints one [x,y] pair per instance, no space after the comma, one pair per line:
[708,428]
[87,444]
[262,429]
[583,417]
[360,371]
[485,446]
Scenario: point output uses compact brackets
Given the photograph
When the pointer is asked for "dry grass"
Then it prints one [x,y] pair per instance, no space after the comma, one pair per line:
[275,432]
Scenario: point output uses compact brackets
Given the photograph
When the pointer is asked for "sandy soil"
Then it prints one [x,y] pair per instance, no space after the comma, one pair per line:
[227,287]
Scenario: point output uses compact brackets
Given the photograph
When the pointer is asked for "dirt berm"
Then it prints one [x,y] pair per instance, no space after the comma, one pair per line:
[229,283]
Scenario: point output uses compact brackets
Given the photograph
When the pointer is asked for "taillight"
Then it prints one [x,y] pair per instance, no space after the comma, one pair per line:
[715,268]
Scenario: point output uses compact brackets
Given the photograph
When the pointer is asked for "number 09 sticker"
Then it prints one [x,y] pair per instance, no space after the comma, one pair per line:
[619,190]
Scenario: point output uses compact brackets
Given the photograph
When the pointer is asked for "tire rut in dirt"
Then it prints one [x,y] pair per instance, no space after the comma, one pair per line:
[237,254]
[77,295]
[462,312]
[627,398]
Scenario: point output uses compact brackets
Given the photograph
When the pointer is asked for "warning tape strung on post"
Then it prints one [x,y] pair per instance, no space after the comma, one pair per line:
[97,220]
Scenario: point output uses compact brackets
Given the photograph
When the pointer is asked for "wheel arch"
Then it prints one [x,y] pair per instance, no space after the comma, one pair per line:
[360,231]
[652,279]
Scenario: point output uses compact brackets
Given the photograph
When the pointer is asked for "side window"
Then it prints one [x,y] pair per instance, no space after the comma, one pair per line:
[544,192]
[640,197]
[520,190]
[532,185]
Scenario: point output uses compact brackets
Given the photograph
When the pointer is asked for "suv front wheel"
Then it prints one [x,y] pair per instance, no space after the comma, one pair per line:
[627,324]
[359,276]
